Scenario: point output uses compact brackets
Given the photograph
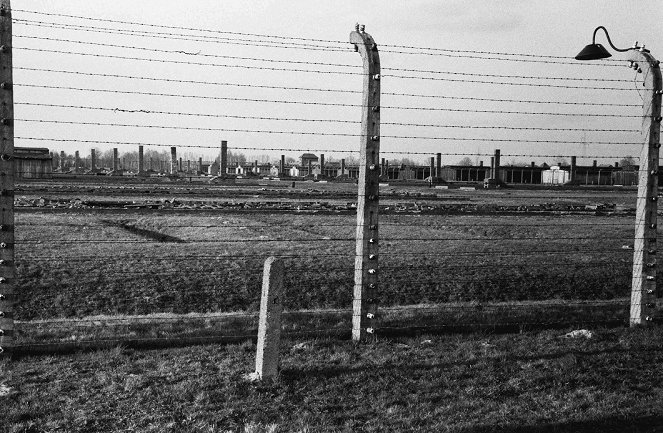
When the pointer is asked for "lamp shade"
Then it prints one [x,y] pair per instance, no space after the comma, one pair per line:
[593,52]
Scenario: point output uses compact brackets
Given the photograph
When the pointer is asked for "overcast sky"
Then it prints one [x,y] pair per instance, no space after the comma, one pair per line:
[550,28]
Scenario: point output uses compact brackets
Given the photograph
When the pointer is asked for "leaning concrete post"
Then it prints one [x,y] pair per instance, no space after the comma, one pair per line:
[269,327]
[365,296]
[7,171]
[643,287]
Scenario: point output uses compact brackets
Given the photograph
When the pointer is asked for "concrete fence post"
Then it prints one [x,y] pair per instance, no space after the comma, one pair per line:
[7,264]
[364,303]
[269,327]
[643,287]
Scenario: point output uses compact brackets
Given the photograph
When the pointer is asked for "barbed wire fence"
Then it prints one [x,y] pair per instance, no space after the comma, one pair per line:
[166,261]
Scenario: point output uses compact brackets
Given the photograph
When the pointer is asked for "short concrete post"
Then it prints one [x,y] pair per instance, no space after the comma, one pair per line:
[115,159]
[269,327]
[93,160]
[62,159]
[438,166]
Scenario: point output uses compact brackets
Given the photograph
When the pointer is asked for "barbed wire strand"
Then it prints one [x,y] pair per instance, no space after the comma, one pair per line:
[291,37]
[289,61]
[331,104]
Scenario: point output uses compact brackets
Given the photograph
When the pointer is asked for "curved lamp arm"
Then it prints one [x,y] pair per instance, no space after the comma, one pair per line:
[609,41]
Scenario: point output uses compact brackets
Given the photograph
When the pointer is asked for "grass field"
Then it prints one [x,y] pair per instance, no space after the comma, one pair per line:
[491,258]
[525,383]
[475,299]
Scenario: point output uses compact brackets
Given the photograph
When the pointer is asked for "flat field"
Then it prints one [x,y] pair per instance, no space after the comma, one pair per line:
[109,263]
[124,260]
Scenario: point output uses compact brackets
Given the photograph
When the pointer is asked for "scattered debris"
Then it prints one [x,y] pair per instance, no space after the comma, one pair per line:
[432,207]
[299,347]
[426,342]
[4,390]
[579,333]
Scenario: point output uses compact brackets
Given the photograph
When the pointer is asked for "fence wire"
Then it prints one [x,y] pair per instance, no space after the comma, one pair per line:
[172,255]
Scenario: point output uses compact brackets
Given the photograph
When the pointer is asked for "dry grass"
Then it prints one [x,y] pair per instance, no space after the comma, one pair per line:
[81,264]
[529,382]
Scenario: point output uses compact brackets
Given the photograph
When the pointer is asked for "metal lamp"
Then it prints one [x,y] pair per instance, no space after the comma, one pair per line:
[596,51]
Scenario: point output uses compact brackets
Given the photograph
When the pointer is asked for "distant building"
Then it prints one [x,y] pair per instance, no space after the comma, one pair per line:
[555,176]
[294,171]
[33,163]
[308,157]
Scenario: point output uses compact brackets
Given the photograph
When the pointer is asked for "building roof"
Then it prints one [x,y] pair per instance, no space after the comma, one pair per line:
[32,153]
